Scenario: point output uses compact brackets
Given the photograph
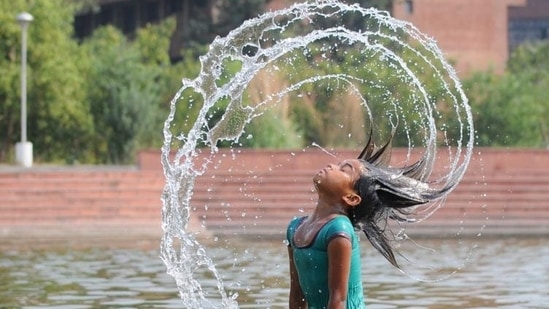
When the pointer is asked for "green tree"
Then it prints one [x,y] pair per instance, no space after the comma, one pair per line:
[59,124]
[530,61]
[379,4]
[123,95]
[512,109]
[153,42]
[199,22]
[272,130]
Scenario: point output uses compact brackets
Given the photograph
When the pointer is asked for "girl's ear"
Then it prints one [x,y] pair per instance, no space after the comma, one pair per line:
[352,199]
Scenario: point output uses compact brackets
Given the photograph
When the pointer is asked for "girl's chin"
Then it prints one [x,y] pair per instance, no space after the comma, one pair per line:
[316,178]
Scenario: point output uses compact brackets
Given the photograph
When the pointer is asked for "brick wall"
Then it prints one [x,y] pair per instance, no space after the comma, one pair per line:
[472,33]
[504,190]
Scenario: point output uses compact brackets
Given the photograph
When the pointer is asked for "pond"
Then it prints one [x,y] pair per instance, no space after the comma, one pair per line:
[507,272]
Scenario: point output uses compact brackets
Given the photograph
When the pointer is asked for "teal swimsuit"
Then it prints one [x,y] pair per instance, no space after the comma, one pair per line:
[311,263]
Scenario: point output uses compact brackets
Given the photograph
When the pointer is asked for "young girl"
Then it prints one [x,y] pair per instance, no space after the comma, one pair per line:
[354,194]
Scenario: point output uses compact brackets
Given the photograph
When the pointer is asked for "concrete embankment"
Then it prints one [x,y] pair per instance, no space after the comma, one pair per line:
[256,193]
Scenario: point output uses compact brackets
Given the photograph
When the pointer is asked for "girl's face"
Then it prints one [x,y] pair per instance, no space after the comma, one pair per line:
[338,179]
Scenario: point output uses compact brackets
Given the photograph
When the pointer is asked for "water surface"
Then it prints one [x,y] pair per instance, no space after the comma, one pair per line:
[501,273]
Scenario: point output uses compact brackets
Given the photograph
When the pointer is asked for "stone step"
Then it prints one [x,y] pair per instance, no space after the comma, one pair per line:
[505,195]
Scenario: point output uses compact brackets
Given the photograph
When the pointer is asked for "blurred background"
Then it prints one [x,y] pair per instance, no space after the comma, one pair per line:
[81,228]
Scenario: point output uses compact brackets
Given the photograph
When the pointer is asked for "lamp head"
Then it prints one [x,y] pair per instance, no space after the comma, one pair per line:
[24,19]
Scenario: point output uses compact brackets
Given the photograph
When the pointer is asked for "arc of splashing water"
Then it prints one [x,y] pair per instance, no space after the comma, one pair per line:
[181,170]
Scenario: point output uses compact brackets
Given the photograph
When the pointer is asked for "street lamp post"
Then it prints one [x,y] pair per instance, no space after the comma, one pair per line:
[23,149]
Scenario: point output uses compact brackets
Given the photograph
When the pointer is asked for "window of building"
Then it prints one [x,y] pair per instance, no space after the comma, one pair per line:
[545,34]
[527,30]
[409,6]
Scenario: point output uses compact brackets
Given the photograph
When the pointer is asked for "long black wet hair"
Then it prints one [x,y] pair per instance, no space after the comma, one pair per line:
[389,194]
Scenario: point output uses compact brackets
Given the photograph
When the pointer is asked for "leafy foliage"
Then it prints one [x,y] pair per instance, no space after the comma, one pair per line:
[124,96]
[512,110]
[58,116]
[104,99]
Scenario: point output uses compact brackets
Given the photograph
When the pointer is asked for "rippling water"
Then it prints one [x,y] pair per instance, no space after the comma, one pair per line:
[502,273]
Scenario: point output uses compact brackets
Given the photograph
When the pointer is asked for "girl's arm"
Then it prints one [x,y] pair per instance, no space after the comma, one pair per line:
[339,267]
[297,299]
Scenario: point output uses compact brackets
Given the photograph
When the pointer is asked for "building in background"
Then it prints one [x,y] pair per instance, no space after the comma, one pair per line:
[197,21]
[528,22]
[477,35]
[126,15]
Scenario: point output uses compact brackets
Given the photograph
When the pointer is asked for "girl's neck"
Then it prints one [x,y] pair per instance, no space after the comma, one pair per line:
[327,210]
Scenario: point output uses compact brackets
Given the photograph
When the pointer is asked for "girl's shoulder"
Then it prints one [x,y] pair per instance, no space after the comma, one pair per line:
[292,226]
[294,223]
[339,224]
